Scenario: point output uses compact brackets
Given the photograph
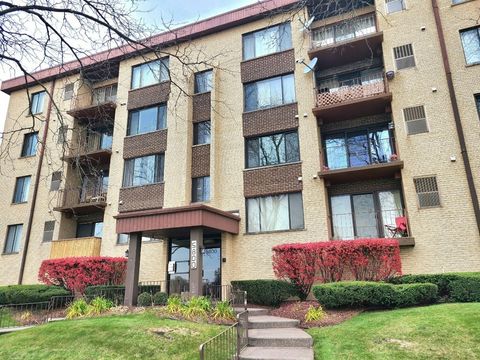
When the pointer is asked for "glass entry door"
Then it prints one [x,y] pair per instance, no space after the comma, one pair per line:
[179,278]
[212,268]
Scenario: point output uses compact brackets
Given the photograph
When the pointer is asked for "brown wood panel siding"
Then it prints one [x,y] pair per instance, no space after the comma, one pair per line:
[268,66]
[200,160]
[267,121]
[272,180]
[148,95]
[145,144]
[176,218]
[89,246]
[357,122]
[361,187]
[202,107]
[141,197]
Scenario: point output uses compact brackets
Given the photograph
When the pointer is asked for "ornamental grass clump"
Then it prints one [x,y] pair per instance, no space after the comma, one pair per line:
[314,314]
[223,311]
[174,305]
[80,307]
[197,306]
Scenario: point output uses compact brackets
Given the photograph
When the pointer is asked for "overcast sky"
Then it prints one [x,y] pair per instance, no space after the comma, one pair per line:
[151,12]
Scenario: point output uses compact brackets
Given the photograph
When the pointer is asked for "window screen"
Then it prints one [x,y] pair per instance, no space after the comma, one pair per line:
[427,191]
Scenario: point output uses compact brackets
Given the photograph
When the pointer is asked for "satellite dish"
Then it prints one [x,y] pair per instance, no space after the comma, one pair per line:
[306,25]
[310,66]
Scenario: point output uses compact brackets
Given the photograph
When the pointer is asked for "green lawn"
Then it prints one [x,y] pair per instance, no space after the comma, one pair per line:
[448,331]
[112,337]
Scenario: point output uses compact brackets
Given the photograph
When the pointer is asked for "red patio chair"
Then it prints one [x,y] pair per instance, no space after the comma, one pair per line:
[400,228]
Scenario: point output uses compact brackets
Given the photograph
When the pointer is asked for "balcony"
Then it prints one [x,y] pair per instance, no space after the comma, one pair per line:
[338,99]
[82,200]
[91,145]
[365,223]
[96,103]
[360,155]
[350,40]
[86,246]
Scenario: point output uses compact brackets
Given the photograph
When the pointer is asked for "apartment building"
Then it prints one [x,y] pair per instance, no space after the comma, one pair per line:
[374,138]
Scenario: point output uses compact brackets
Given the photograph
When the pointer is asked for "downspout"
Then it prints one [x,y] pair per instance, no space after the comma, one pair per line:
[456,114]
[37,183]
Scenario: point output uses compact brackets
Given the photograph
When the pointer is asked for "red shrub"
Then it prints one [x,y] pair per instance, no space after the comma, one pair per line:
[365,259]
[76,273]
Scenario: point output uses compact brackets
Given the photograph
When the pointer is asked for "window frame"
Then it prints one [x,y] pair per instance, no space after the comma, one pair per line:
[32,149]
[260,231]
[159,170]
[258,139]
[39,104]
[281,77]
[16,240]
[196,132]
[461,31]
[404,6]
[202,198]
[48,234]
[25,193]
[252,33]
[158,126]
[208,81]
[165,61]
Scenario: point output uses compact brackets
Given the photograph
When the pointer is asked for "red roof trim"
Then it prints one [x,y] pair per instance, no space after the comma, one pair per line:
[200,28]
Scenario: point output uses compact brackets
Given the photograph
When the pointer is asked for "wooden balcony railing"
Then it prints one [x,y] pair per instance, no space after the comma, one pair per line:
[87,246]
[95,195]
[86,142]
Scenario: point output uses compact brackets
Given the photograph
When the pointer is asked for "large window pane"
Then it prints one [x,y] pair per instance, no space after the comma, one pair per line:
[37,103]
[288,88]
[12,242]
[272,150]
[336,151]
[358,149]
[390,206]
[271,92]
[296,211]
[201,133]
[471,45]
[201,189]
[150,73]
[22,186]
[253,212]
[365,217]
[342,220]
[267,41]
[203,82]
[143,170]
[147,120]
[30,142]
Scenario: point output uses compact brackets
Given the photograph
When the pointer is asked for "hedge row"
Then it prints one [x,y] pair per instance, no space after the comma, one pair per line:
[22,294]
[454,287]
[266,292]
[359,294]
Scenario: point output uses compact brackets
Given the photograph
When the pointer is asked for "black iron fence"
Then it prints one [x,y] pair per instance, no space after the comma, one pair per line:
[229,343]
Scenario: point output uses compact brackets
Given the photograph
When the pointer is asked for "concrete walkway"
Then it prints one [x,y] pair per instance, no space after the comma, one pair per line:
[275,338]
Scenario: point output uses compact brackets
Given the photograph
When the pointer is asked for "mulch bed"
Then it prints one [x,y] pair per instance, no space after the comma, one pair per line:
[298,309]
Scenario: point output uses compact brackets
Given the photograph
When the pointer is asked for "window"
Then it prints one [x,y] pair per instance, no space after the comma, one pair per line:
[427,191]
[404,56]
[271,92]
[395,5]
[272,150]
[143,170]
[359,147]
[367,215]
[124,239]
[471,45]
[201,189]
[12,243]
[267,41]
[201,133]
[271,213]
[477,102]
[415,120]
[22,186]
[56,181]
[37,103]
[30,142]
[48,229]
[68,91]
[62,134]
[147,120]
[90,229]
[203,82]
[105,94]
[454,2]
[150,73]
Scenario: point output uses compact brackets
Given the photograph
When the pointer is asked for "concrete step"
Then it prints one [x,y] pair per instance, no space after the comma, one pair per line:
[272,353]
[253,311]
[267,321]
[289,337]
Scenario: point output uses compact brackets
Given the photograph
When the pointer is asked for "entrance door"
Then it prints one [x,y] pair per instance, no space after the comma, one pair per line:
[212,268]
[179,280]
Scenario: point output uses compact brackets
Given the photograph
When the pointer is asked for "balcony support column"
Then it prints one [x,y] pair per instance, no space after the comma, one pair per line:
[133,269]
[196,261]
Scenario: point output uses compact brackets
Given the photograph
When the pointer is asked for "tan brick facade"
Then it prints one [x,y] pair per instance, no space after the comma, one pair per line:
[453,246]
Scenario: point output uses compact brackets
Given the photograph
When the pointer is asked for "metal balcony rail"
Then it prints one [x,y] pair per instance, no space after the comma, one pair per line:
[346,30]
[229,343]
[344,153]
[370,224]
[332,92]
[82,195]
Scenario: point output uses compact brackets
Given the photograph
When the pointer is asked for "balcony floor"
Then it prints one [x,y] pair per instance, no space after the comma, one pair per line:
[103,110]
[98,156]
[359,173]
[82,208]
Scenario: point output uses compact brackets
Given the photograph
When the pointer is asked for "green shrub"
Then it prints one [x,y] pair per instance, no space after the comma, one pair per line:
[174,304]
[160,298]
[197,306]
[455,287]
[266,292]
[357,294]
[78,308]
[144,299]
[223,310]
[98,306]
[21,294]
[314,314]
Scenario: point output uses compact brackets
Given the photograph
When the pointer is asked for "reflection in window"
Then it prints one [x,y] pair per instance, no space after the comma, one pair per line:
[150,73]
[471,45]
[203,82]
[271,92]
[272,150]
[143,170]
[147,120]
[267,41]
